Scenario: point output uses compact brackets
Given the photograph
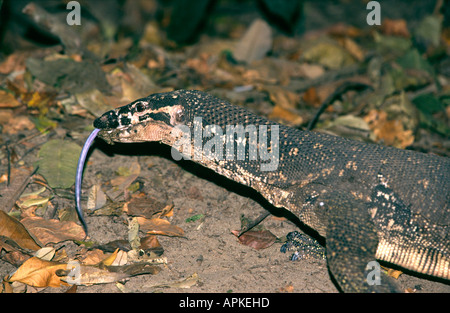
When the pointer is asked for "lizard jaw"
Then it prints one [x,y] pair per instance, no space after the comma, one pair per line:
[143,132]
[127,125]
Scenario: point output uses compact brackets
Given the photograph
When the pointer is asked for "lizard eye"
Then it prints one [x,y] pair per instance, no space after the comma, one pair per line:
[140,107]
[178,116]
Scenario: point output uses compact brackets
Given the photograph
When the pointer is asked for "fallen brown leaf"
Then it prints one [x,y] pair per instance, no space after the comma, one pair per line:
[115,244]
[185,283]
[158,226]
[12,228]
[39,273]
[151,246]
[17,123]
[310,97]
[110,258]
[258,239]
[353,48]
[150,242]
[147,207]
[13,62]
[395,28]
[390,132]
[255,43]
[136,269]
[53,230]
[288,288]
[7,100]
[93,257]
[19,179]
[92,275]
[11,253]
[121,183]
[283,114]
[282,97]
[394,273]
[6,287]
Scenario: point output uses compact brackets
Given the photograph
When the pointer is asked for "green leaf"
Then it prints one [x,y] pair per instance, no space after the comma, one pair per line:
[58,161]
[195,218]
[429,29]
[413,60]
[429,105]
[393,45]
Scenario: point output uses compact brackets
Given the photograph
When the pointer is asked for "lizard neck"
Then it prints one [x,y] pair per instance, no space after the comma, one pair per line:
[238,144]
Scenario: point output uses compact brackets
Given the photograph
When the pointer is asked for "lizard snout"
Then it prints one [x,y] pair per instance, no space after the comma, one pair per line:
[108,120]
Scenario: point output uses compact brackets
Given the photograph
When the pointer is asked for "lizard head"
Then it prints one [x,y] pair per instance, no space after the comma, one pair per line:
[147,119]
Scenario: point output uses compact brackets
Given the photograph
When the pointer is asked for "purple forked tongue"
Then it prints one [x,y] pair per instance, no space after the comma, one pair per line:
[79,176]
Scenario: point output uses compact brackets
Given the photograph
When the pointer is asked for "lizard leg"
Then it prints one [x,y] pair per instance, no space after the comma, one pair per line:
[352,242]
[303,247]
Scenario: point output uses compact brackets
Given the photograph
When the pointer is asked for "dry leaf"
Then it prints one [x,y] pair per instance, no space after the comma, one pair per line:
[157,226]
[96,198]
[31,201]
[94,101]
[145,206]
[53,230]
[329,55]
[11,253]
[136,269]
[150,242]
[12,228]
[282,97]
[394,273]
[38,100]
[91,275]
[185,283]
[311,71]
[17,124]
[389,132]
[6,287]
[46,253]
[395,28]
[287,288]
[151,246]
[93,257]
[121,183]
[110,259]
[259,239]
[279,113]
[19,179]
[7,100]
[310,97]
[39,273]
[13,62]
[201,65]
[353,48]
[255,43]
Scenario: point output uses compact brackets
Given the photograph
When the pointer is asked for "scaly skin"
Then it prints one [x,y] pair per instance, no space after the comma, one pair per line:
[370,202]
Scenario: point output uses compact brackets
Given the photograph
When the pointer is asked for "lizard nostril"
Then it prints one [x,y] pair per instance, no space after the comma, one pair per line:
[107,120]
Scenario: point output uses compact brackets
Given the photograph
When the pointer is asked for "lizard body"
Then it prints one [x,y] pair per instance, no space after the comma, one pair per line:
[369,201]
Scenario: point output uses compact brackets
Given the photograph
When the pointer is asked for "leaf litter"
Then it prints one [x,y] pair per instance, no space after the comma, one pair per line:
[50,95]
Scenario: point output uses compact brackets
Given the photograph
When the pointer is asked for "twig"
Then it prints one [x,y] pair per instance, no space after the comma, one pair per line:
[336,95]
[254,223]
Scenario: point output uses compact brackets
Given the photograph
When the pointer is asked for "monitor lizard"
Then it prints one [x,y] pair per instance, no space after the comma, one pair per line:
[370,202]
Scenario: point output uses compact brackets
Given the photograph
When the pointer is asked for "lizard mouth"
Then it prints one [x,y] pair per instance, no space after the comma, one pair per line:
[150,130]
[124,126]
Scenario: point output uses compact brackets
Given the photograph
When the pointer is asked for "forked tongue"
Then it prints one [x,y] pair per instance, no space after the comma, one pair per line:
[79,177]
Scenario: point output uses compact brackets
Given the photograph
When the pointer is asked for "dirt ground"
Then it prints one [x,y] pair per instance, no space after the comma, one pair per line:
[209,248]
